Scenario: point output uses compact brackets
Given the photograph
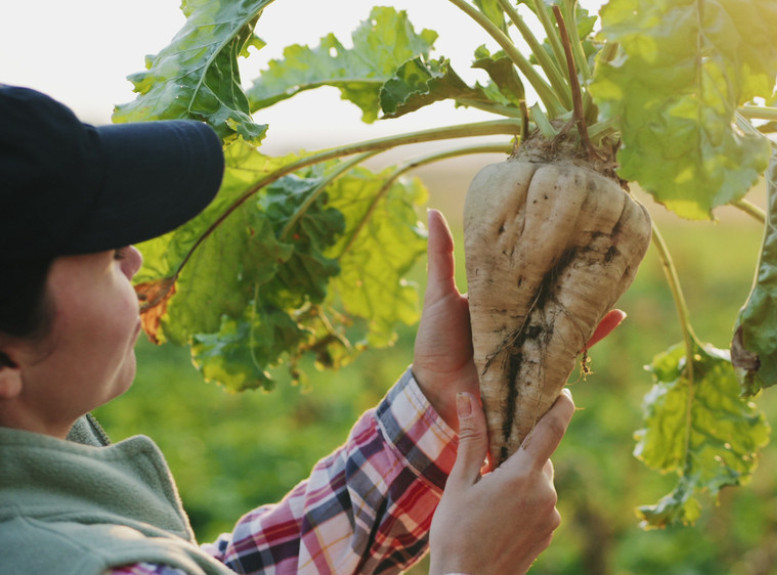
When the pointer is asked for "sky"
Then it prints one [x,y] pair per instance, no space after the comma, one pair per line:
[81,51]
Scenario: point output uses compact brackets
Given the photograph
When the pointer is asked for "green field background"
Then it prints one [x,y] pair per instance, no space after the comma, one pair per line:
[230,453]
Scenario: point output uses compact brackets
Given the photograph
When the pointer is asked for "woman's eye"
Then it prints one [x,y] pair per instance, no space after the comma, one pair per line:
[120,254]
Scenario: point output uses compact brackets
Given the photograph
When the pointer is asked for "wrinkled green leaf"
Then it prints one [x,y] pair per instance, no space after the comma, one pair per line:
[240,253]
[418,83]
[286,281]
[503,74]
[699,428]
[754,348]
[196,76]
[226,357]
[273,279]
[682,69]
[305,276]
[237,279]
[381,44]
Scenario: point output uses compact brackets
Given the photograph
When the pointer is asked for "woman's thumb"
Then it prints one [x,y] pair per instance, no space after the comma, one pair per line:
[440,264]
[473,440]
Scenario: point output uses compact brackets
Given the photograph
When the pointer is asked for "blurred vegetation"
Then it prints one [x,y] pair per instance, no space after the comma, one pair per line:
[230,453]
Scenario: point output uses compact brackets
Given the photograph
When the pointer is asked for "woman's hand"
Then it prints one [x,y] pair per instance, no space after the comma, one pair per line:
[443,362]
[498,523]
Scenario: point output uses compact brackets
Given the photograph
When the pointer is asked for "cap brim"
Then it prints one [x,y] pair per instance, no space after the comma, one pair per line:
[157,176]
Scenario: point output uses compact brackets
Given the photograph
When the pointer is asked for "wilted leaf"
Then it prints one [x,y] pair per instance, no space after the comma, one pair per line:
[754,349]
[681,71]
[153,297]
[699,428]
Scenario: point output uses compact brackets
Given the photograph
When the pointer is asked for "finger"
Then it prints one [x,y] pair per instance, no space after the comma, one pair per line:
[439,250]
[546,435]
[473,442]
[548,469]
[610,321]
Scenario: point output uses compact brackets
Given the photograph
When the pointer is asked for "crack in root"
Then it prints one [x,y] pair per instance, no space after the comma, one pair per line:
[511,348]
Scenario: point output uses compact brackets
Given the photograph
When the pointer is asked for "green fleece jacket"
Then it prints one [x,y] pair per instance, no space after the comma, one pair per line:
[79,507]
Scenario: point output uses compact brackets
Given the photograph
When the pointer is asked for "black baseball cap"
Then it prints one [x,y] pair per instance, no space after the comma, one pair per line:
[67,187]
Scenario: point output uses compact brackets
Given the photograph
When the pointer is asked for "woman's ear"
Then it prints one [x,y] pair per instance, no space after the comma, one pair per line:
[10,377]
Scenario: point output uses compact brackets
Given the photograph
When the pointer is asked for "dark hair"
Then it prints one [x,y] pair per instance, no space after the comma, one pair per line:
[24,312]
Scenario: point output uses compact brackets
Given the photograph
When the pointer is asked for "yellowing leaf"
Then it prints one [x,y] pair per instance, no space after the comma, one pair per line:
[682,69]
[153,297]
[698,427]
[754,348]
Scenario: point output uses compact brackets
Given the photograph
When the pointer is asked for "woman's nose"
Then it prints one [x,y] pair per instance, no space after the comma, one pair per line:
[132,261]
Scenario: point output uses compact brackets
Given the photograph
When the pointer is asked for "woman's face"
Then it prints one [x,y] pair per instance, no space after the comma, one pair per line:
[88,357]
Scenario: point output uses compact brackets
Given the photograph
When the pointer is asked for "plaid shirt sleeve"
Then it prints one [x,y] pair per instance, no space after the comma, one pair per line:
[365,509]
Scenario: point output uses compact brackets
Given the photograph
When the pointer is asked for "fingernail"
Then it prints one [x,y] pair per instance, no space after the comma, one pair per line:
[463,405]
[566,392]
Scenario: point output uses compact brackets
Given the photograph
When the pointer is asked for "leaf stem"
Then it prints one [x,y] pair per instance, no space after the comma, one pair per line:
[569,10]
[581,61]
[603,129]
[543,13]
[750,209]
[689,337]
[672,278]
[542,122]
[493,127]
[577,98]
[758,112]
[557,79]
[544,91]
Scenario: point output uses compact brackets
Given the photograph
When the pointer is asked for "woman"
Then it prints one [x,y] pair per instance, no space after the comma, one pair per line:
[75,199]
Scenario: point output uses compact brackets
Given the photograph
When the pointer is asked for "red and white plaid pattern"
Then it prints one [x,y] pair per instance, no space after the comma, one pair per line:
[365,509]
